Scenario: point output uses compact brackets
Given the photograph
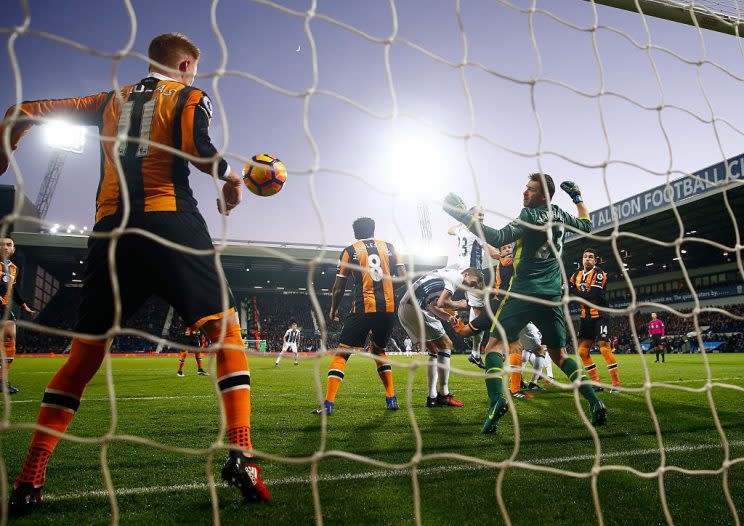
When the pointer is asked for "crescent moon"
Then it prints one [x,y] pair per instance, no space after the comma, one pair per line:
[298,48]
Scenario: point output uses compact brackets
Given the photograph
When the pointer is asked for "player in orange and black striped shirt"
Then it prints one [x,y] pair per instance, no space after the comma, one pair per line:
[9,277]
[589,284]
[373,310]
[164,122]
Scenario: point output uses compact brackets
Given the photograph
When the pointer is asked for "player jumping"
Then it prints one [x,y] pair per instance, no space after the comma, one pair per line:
[589,284]
[8,278]
[421,311]
[164,108]
[470,254]
[373,310]
[537,274]
[291,342]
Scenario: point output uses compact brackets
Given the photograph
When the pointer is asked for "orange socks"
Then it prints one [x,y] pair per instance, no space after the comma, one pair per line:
[611,364]
[336,376]
[385,370]
[234,382]
[9,347]
[515,378]
[589,365]
[182,360]
[59,404]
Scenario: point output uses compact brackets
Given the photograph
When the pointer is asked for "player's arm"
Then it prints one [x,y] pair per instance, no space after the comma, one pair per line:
[455,206]
[195,120]
[445,301]
[493,252]
[453,229]
[18,299]
[339,286]
[583,222]
[84,111]
[398,268]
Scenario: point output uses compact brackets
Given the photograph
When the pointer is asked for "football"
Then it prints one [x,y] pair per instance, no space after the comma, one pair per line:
[264,175]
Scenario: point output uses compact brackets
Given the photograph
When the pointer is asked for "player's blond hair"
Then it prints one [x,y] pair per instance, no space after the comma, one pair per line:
[167,49]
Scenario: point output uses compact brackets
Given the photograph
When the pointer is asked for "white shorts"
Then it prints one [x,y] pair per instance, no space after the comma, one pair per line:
[408,315]
[290,346]
[475,299]
[530,337]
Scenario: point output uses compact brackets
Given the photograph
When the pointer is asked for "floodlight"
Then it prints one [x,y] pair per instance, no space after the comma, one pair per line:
[64,136]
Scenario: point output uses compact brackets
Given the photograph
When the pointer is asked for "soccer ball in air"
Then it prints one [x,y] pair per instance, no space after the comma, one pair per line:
[264,175]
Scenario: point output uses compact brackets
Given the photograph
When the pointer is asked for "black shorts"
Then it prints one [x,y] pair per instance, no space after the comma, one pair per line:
[484,321]
[358,325]
[595,329]
[11,316]
[144,267]
[656,342]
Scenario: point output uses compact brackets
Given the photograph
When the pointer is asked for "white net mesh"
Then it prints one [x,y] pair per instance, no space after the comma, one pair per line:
[599,88]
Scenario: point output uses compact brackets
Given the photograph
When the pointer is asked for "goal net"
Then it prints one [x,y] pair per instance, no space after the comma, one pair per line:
[381,109]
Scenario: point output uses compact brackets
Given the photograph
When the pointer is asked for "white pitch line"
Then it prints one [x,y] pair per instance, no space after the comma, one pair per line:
[379,474]
[304,395]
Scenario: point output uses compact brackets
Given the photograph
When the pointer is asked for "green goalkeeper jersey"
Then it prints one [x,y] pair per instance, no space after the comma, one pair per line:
[536,268]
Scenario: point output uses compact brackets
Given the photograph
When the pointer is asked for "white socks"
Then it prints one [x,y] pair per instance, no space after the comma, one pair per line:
[431,375]
[443,358]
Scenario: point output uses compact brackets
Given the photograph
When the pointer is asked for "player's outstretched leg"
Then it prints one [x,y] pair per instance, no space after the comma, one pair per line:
[200,368]
[589,365]
[499,404]
[572,371]
[58,405]
[604,348]
[279,358]
[335,377]
[432,375]
[537,366]
[234,382]
[181,362]
[9,348]
[385,370]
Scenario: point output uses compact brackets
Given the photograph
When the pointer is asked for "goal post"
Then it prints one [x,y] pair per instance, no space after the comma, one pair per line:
[706,14]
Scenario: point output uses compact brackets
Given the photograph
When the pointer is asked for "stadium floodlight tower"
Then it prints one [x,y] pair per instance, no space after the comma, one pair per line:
[63,138]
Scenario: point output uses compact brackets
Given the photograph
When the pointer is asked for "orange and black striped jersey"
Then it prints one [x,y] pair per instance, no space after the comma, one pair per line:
[8,278]
[591,287]
[373,289]
[158,115]
[504,272]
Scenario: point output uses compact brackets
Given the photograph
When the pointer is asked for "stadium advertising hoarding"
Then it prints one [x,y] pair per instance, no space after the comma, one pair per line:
[680,297]
[704,181]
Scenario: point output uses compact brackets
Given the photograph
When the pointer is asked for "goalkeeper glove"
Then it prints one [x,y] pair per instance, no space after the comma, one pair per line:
[572,190]
[455,206]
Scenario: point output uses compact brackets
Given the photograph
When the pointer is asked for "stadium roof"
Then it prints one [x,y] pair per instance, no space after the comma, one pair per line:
[710,207]
[248,265]
[644,220]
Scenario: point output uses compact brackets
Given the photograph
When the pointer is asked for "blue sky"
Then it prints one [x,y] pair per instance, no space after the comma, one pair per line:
[390,154]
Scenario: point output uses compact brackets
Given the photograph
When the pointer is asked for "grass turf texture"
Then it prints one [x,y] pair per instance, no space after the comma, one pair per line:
[160,487]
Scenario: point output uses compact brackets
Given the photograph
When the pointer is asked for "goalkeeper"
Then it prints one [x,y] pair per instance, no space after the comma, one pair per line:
[537,274]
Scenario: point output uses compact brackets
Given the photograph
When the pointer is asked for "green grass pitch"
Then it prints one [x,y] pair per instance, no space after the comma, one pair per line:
[156,486]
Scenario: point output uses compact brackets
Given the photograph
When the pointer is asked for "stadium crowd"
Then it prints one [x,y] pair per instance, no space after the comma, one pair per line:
[275,312]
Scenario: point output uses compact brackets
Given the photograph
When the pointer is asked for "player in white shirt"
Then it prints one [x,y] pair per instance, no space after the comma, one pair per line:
[291,342]
[471,252]
[421,311]
[408,346]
